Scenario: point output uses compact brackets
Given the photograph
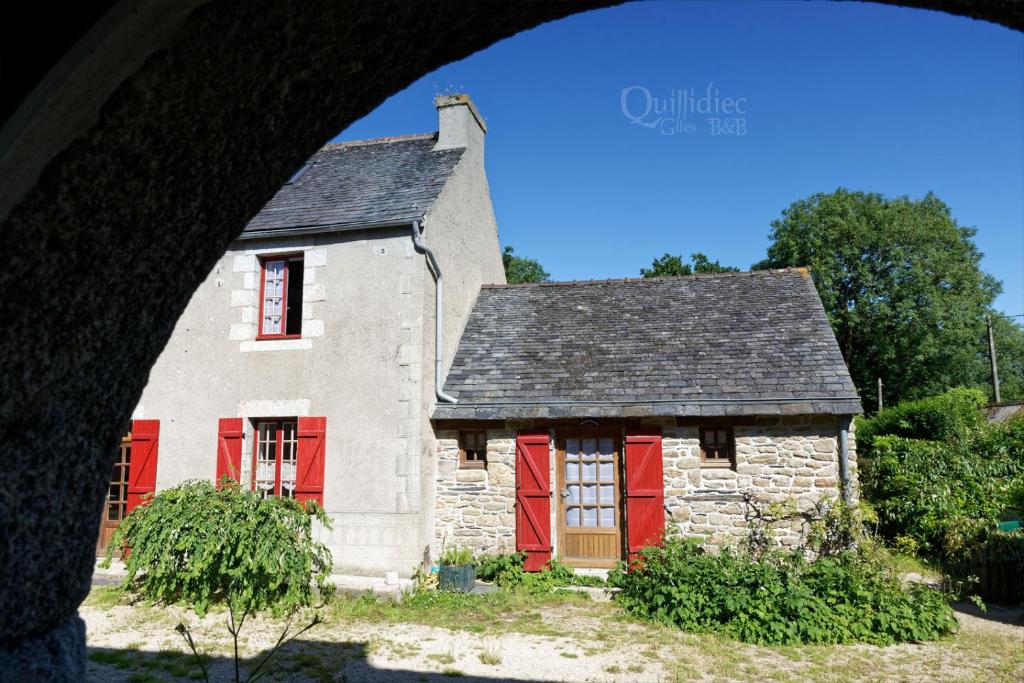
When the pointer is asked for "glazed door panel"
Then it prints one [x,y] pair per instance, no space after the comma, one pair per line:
[116,503]
[590,500]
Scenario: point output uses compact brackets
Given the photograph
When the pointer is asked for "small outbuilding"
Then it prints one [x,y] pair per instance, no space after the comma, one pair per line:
[591,414]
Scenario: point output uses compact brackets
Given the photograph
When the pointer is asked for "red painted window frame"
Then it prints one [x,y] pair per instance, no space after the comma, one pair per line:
[260,336]
[278,446]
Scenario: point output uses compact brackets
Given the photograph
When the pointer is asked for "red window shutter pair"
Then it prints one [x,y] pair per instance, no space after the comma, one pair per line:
[309,482]
[142,470]
[645,494]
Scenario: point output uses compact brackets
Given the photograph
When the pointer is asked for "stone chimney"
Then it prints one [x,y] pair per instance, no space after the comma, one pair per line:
[459,123]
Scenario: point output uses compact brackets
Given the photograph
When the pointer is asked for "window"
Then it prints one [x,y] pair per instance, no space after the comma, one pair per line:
[717,446]
[473,449]
[274,460]
[281,297]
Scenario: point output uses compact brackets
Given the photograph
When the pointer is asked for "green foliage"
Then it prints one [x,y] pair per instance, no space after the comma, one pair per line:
[951,416]
[901,283]
[202,544]
[780,598]
[942,494]
[456,557]
[1009,338]
[507,572]
[519,269]
[993,566]
[829,527]
[669,265]
[1015,497]
[493,567]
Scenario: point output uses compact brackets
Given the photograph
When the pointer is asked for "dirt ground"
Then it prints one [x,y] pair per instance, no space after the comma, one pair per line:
[572,640]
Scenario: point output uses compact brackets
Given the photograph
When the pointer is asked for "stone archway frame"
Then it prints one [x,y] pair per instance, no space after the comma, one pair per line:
[126,174]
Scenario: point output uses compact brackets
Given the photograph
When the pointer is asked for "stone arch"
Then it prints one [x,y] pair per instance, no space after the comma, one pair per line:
[126,173]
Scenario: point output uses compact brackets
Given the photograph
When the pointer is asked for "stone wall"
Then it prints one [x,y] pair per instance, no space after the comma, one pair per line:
[777,460]
[476,507]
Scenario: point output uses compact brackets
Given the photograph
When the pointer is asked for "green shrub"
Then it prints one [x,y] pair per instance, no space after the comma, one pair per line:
[940,493]
[947,417]
[780,598]
[507,572]
[200,544]
[494,567]
[992,566]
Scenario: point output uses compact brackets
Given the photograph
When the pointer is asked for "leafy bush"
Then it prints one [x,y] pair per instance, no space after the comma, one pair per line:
[940,494]
[202,544]
[507,572]
[951,416]
[494,567]
[780,598]
[993,566]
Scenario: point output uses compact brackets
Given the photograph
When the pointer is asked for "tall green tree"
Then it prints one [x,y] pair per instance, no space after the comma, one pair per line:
[673,265]
[519,269]
[1009,338]
[901,283]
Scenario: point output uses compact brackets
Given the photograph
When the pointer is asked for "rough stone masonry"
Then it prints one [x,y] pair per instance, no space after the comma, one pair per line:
[778,459]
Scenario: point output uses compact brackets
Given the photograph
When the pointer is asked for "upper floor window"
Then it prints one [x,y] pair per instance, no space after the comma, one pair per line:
[281,297]
[717,446]
[274,461]
[473,449]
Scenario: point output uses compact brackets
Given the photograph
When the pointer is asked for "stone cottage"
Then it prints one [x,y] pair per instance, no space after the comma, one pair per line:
[575,417]
[607,408]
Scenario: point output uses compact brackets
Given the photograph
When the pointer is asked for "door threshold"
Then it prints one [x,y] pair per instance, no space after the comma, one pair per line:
[585,565]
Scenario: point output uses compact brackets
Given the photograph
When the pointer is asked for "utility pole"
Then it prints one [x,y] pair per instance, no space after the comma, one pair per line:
[992,359]
[879,394]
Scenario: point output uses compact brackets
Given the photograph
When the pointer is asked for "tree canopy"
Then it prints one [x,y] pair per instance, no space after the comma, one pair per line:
[519,269]
[673,265]
[901,283]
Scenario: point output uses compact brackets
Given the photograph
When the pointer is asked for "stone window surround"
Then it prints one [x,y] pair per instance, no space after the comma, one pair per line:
[251,411]
[245,298]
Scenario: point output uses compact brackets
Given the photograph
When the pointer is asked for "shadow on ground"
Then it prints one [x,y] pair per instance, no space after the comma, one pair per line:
[1013,616]
[299,661]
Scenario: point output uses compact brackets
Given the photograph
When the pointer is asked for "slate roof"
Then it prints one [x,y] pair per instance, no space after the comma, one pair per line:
[354,185]
[724,344]
[1004,412]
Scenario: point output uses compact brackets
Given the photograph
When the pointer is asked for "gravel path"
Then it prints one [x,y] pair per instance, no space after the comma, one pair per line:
[139,645]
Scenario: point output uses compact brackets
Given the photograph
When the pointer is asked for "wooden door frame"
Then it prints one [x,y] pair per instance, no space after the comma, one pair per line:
[101,550]
[617,436]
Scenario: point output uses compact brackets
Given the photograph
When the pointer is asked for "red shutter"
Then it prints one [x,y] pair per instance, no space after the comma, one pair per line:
[229,448]
[645,490]
[309,465]
[142,469]
[533,499]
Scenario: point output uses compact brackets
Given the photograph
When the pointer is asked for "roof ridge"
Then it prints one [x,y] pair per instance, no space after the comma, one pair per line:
[378,141]
[802,270]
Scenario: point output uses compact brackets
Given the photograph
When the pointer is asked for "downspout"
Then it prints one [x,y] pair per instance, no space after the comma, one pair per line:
[844,458]
[417,241]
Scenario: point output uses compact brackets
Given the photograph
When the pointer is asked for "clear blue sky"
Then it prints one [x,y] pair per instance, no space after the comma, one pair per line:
[874,98]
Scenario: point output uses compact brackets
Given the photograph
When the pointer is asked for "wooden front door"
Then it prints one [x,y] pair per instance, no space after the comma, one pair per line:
[116,503]
[590,498]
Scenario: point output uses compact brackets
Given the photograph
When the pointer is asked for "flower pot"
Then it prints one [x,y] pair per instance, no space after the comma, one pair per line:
[457,579]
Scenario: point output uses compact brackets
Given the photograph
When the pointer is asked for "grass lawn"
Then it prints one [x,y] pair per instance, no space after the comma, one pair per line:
[558,636]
